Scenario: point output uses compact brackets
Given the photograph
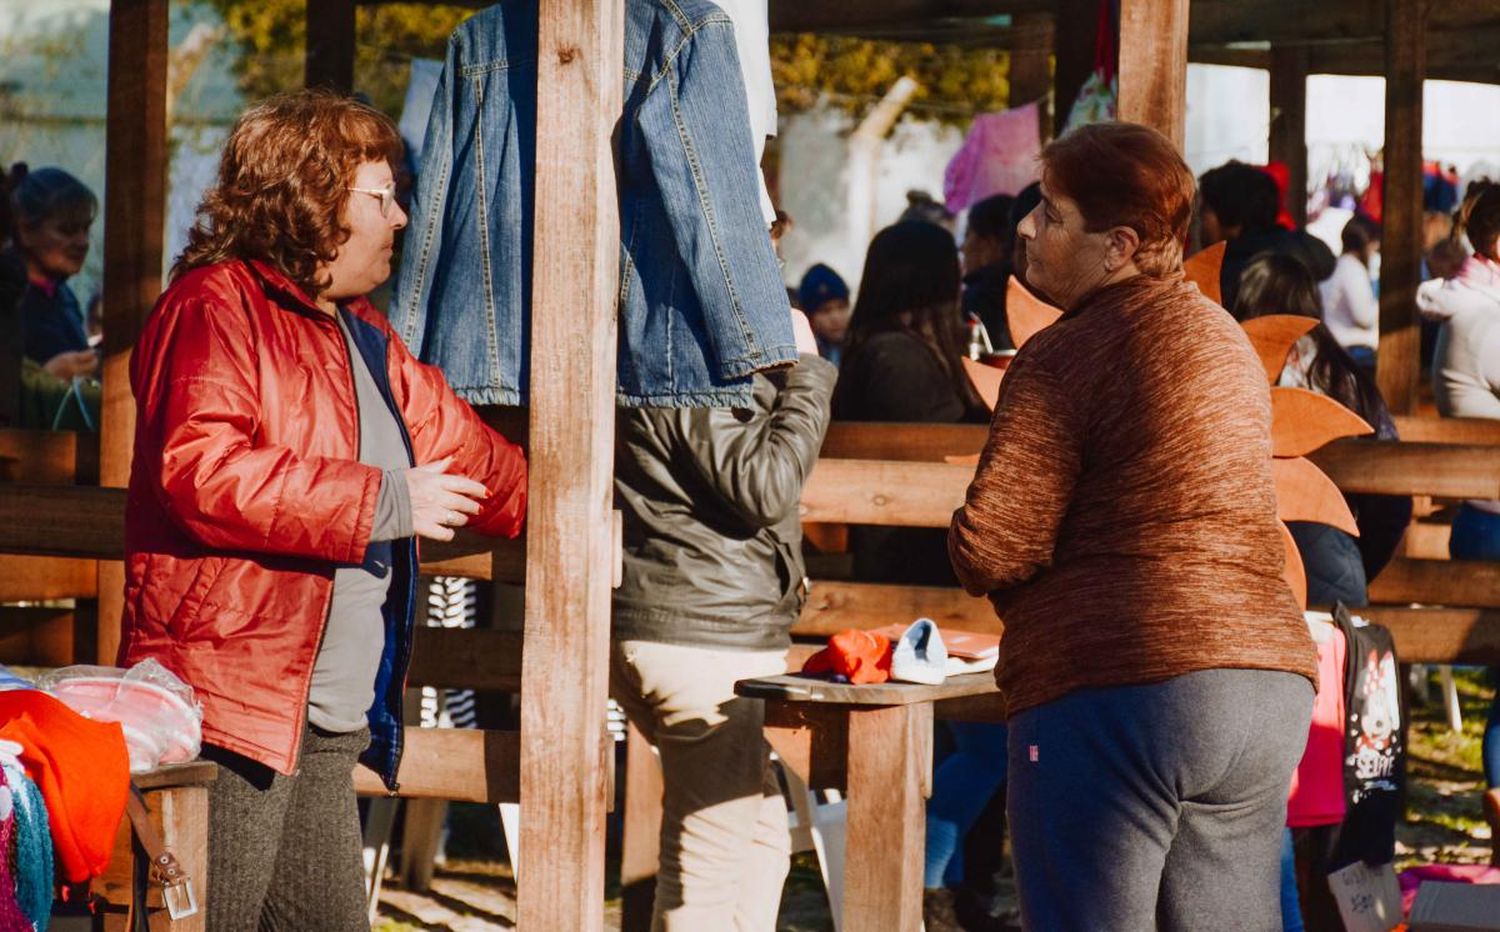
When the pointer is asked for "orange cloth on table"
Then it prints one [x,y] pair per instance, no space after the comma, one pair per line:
[859,656]
[83,771]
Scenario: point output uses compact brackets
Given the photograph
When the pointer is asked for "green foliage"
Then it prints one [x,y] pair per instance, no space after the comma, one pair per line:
[272,34]
[955,84]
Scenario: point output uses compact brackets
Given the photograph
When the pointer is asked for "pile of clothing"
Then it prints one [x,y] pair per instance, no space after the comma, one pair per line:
[68,744]
[917,653]
[63,795]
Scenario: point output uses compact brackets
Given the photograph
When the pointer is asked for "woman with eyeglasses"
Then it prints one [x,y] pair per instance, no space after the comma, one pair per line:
[288,451]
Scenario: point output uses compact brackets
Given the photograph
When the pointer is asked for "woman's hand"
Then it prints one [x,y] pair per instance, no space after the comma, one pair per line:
[441,502]
[66,365]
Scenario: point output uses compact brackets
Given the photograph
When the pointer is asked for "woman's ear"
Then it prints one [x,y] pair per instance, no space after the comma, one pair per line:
[1120,248]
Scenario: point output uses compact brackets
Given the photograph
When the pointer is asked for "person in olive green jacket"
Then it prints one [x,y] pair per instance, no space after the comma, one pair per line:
[713,581]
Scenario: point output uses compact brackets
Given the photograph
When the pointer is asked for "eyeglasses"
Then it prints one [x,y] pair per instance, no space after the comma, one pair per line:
[386,194]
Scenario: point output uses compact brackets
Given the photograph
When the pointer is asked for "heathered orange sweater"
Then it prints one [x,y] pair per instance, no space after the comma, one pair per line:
[1123,517]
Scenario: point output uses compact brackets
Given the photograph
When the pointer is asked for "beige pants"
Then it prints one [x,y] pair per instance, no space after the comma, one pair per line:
[724,846]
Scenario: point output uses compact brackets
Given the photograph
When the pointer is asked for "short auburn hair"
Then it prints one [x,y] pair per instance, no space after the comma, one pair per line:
[283,182]
[1126,175]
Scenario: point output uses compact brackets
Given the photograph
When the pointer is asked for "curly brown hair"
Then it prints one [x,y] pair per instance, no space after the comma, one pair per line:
[283,183]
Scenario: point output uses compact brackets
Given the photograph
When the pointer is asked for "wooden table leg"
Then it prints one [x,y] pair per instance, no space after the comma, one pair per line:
[186,816]
[889,780]
[181,817]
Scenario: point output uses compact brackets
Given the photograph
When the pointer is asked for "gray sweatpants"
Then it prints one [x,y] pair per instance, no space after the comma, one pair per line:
[1158,806]
[284,852]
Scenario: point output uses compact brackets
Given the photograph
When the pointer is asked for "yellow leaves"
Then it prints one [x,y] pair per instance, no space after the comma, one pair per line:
[272,34]
[853,73]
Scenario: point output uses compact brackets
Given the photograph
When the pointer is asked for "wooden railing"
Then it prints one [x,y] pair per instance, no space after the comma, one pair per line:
[52,532]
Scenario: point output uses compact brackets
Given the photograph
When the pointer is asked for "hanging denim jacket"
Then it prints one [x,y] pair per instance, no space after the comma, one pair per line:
[701,305]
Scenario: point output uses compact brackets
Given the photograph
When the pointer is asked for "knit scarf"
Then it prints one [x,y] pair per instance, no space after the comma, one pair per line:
[25,853]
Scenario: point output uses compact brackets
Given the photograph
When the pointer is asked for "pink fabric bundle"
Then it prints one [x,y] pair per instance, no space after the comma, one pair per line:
[999,156]
[1413,877]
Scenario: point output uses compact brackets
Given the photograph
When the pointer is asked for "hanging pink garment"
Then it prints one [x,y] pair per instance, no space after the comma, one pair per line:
[1317,794]
[999,156]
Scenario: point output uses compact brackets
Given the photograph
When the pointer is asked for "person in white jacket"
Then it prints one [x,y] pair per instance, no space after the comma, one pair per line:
[1350,309]
[1466,380]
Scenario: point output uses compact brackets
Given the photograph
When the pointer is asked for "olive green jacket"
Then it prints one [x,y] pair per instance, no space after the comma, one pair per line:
[710,498]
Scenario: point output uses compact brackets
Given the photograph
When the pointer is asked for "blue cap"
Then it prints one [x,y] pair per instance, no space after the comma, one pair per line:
[819,285]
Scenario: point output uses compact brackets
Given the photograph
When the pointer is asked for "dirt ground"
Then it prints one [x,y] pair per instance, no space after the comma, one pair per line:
[475,890]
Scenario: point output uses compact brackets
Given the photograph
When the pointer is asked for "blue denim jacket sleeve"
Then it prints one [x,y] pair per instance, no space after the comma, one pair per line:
[702,159]
[422,246]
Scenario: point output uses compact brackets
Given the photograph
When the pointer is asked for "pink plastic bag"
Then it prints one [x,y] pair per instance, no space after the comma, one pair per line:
[999,156]
[162,721]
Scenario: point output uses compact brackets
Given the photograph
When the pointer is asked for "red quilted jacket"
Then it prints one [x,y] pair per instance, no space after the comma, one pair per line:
[246,491]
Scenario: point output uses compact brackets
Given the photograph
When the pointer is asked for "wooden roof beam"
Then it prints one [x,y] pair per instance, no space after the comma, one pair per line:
[1451,55]
[858,15]
[1032,36]
[1454,57]
[1282,22]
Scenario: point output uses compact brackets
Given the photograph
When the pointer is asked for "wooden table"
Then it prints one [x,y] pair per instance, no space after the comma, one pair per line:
[874,742]
[177,799]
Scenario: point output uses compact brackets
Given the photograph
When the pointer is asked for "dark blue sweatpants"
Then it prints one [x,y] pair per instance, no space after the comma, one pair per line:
[1158,806]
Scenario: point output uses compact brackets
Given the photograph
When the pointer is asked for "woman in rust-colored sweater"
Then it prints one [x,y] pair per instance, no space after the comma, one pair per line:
[1157,672]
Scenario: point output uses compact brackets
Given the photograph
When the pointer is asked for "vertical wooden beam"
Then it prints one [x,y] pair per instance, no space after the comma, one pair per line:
[1153,65]
[1073,44]
[330,45]
[135,178]
[1031,65]
[1289,123]
[1398,366]
[565,751]
[640,844]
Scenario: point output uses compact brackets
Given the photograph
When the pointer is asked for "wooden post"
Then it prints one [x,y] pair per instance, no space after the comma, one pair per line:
[640,846]
[1073,42]
[1153,65]
[1289,123]
[565,751]
[1398,366]
[330,45]
[134,210]
[1030,66]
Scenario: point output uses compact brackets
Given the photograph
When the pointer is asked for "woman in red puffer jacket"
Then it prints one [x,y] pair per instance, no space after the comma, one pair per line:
[288,452]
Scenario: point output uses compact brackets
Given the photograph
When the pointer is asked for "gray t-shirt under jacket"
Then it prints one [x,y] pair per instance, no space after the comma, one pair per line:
[343,680]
